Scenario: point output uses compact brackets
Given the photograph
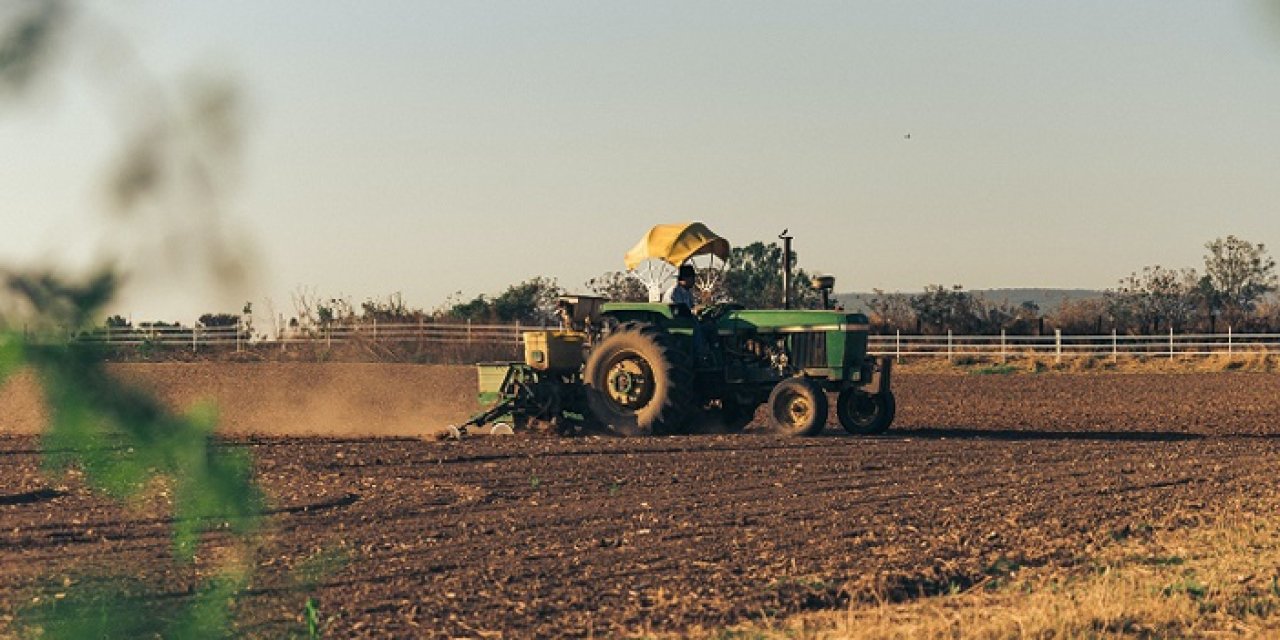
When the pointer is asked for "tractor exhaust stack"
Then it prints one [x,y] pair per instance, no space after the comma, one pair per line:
[786,269]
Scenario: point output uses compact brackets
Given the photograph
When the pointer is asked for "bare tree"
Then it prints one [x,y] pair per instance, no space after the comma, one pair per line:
[993,316]
[891,310]
[1078,317]
[942,308]
[1156,299]
[1237,273]
[619,286]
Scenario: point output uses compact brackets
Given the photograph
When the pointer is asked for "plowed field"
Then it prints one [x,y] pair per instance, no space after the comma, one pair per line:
[531,536]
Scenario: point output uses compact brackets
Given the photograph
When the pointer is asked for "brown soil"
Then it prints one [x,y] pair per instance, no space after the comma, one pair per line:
[366,399]
[532,536]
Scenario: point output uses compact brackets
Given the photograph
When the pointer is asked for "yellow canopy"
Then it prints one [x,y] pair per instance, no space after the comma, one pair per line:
[675,243]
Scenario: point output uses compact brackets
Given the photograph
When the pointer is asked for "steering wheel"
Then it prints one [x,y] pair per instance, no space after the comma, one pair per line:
[713,312]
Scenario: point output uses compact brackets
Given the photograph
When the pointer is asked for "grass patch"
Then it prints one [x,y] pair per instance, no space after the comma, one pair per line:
[1160,561]
[1218,579]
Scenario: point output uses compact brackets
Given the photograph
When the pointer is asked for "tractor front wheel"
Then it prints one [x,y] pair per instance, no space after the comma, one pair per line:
[863,413]
[798,407]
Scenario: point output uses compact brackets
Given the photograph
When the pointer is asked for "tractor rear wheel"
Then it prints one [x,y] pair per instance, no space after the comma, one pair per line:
[639,382]
[863,413]
[798,407]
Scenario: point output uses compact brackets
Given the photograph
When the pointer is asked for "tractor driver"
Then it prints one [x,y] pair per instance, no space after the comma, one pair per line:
[681,293]
[681,297]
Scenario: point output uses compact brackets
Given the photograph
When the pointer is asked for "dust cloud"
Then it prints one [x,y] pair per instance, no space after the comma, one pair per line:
[329,399]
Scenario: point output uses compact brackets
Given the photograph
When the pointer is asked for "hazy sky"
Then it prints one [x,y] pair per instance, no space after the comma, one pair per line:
[434,147]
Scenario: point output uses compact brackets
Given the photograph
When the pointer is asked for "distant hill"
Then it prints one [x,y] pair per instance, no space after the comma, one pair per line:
[1046,299]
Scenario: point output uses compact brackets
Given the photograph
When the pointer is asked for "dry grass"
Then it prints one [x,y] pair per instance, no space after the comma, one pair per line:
[1220,579]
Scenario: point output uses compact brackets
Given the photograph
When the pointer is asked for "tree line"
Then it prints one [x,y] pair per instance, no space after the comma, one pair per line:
[1235,289]
[752,277]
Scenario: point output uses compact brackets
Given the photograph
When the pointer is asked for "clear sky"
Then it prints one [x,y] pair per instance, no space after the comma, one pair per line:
[433,147]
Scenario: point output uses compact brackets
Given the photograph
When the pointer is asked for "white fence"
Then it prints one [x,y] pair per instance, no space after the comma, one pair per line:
[426,334]
[197,338]
[1058,346]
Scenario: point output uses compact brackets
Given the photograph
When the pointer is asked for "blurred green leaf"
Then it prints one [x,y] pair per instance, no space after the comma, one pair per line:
[126,442]
[92,612]
[123,437]
[209,614]
[113,607]
[27,43]
[11,357]
[57,300]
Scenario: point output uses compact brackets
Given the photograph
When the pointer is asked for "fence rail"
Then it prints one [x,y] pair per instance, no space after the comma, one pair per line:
[899,345]
[1058,346]
[230,336]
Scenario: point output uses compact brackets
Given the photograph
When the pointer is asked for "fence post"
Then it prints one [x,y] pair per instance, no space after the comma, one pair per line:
[1170,343]
[1115,347]
[108,333]
[468,330]
[1002,353]
[195,337]
[375,329]
[238,322]
[1057,346]
[517,333]
[950,347]
[328,337]
[1228,342]
[897,342]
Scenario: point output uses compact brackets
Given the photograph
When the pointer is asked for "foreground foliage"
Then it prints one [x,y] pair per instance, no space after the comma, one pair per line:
[125,443]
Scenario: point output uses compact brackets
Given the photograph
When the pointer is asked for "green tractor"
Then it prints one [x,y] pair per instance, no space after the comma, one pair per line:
[655,368]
